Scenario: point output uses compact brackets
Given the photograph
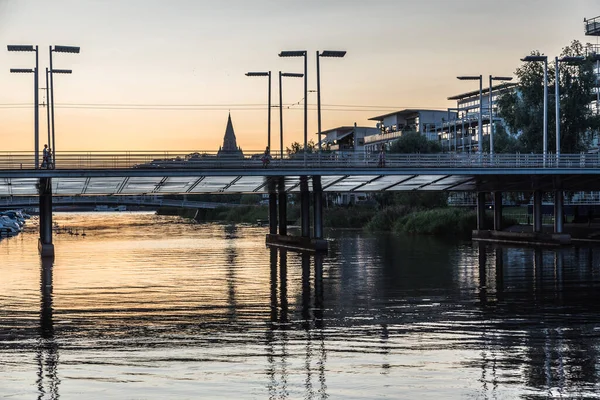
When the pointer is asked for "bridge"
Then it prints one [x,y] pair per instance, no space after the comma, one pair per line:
[148,173]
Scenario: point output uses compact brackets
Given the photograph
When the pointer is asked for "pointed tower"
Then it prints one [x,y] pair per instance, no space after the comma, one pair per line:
[230,148]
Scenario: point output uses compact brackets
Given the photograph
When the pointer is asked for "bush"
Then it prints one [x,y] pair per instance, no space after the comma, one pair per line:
[385,219]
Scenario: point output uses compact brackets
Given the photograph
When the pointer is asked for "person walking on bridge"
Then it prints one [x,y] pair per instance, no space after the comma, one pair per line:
[45,157]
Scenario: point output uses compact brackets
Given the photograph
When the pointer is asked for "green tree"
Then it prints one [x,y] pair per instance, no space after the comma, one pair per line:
[296,147]
[504,142]
[414,142]
[523,109]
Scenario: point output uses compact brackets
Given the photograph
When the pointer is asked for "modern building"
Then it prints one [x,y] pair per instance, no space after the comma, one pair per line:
[230,148]
[391,126]
[460,131]
[351,138]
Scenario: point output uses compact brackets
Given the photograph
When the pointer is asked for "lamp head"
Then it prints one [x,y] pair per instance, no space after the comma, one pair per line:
[502,78]
[66,49]
[62,71]
[258,73]
[21,71]
[572,59]
[469,78]
[292,75]
[534,58]
[296,53]
[332,53]
[12,47]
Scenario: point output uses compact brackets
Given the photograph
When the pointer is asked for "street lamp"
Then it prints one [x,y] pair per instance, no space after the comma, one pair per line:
[269,112]
[325,53]
[545,60]
[302,53]
[494,78]
[281,75]
[480,127]
[57,49]
[557,61]
[36,118]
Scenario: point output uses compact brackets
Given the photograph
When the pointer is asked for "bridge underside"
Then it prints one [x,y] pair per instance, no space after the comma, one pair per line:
[228,184]
[92,184]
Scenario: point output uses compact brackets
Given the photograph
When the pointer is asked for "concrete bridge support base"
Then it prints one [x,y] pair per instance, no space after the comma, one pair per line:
[305,206]
[45,246]
[480,211]
[318,207]
[537,211]
[282,208]
[497,211]
[273,213]
[558,211]
[304,242]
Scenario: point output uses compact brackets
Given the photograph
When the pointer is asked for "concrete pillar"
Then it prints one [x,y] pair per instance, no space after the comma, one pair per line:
[318,207]
[305,206]
[497,211]
[273,213]
[45,246]
[537,211]
[558,211]
[282,208]
[480,211]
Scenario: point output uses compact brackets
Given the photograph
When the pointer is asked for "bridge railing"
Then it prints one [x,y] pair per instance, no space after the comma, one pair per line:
[341,159]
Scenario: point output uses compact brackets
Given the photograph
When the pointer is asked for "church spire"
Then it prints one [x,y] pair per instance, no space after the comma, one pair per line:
[230,147]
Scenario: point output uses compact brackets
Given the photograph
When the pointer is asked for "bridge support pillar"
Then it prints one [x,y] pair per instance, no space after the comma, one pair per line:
[282,208]
[480,211]
[305,206]
[317,207]
[45,246]
[273,213]
[537,211]
[558,211]
[497,211]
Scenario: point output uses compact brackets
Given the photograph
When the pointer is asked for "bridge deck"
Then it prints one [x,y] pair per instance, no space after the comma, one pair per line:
[126,174]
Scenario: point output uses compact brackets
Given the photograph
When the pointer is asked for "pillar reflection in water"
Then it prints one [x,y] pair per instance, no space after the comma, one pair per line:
[482,258]
[280,322]
[47,354]
[231,256]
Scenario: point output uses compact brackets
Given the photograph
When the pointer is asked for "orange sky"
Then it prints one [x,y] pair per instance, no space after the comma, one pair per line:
[194,53]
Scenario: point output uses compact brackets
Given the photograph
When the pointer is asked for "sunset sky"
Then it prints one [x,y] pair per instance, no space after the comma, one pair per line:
[193,54]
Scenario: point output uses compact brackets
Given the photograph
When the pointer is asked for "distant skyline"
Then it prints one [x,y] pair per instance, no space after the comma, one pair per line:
[193,54]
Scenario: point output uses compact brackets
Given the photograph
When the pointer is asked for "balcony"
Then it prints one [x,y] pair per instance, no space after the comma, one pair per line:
[592,26]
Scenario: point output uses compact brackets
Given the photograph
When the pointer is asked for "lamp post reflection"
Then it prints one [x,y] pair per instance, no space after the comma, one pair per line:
[47,355]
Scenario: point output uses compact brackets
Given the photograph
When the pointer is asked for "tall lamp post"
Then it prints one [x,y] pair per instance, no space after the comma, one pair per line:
[557,62]
[36,102]
[480,123]
[269,112]
[491,105]
[57,49]
[281,75]
[302,53]
[325,53]
[545,60]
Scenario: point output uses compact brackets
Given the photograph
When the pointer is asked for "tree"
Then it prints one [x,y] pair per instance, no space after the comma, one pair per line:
[296,147]
[504,142]
[414,142]
[523,109]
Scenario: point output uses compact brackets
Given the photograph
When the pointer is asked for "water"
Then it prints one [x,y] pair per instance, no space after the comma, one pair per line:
[149,307]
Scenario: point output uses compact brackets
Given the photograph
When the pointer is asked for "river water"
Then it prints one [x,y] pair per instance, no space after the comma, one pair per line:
[151,307]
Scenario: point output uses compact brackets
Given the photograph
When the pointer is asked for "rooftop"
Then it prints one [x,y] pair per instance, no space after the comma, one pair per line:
[403,112]
[484,91]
